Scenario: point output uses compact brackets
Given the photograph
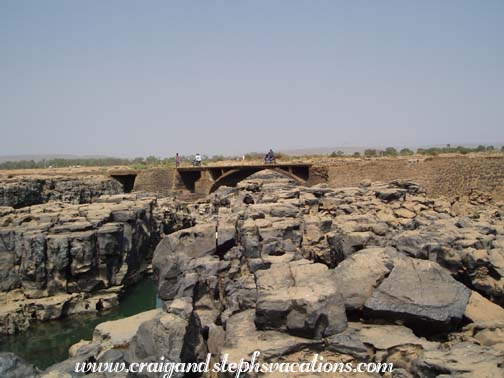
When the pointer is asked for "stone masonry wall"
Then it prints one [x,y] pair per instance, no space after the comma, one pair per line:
[157,180]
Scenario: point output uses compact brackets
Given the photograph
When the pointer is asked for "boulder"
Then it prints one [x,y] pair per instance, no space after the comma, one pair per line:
[420,293]
[300,298]
[119,333]
[361,273]
[343,243]
[242,339]
[479,309]
[464,360]
[175,251]
[391,194]
[175,335]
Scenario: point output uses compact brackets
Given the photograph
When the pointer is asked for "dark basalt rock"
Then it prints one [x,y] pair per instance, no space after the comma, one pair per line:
[420,293]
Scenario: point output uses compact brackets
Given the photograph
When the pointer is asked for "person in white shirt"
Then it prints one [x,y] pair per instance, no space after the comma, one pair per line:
[197,159]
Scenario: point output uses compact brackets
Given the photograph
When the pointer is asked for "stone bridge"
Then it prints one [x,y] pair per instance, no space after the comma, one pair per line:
[206,179]
[200,181]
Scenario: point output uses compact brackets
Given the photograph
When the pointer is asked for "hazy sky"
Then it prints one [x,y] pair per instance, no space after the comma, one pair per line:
[138,78]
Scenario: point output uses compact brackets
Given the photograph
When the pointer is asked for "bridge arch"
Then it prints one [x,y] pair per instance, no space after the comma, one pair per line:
[234,176]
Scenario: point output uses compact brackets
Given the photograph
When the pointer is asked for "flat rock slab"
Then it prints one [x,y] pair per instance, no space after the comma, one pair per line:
[359,274]
[421,293]
[300,298]
[119,333]
[243,339]
[464,360]
[479,309]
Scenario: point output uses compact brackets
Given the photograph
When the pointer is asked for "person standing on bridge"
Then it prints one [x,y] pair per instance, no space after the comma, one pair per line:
[177,160]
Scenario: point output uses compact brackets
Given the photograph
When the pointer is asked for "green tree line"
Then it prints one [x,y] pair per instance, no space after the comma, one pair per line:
[139,162]
[391,151]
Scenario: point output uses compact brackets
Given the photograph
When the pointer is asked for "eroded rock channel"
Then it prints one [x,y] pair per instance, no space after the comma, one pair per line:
[378,272]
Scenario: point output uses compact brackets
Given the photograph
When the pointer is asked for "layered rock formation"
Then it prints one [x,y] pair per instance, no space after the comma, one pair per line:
[58,259]
[376,273]
[21,191]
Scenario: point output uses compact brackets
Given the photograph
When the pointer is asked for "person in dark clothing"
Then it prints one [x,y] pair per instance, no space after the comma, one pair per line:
[269,157]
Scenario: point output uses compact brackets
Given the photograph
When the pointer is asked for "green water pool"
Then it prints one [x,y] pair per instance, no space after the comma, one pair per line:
[44,344]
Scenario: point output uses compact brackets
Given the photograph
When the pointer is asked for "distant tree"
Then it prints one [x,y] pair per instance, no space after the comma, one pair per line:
[370,152]
[406,152]
[217,158]
[337,153]
[152,160]
[428,151]
[480,148]
[490,148]
[168,161]
[462,150]
[502,149]
[390,151]
[356,154]
[31,164]
[254,156]
[283,156]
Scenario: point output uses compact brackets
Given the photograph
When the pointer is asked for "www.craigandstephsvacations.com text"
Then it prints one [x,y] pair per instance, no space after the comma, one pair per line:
[166,369]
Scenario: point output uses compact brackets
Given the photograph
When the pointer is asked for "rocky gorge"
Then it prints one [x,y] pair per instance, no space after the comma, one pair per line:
[76,248]
[379,272]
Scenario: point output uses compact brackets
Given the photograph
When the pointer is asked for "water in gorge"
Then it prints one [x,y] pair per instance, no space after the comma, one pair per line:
[44,344]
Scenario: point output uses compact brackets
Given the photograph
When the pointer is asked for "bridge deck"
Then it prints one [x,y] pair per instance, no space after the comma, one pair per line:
[246,166]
